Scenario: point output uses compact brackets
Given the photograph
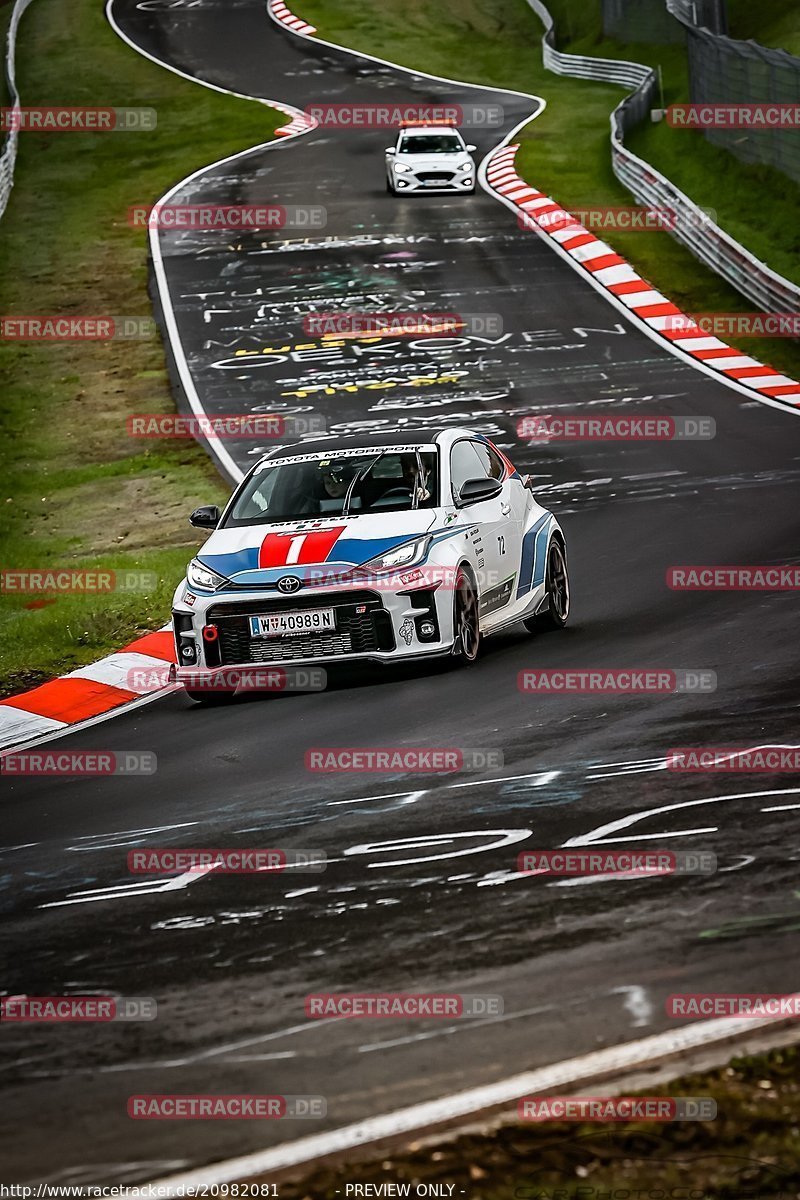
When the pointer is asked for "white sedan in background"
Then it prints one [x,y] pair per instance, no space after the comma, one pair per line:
[430,158]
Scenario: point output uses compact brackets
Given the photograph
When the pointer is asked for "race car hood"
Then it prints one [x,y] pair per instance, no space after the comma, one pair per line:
[432,162]
[258,555]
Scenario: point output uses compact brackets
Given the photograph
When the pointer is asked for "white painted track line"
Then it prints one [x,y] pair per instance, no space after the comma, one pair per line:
[421,1117]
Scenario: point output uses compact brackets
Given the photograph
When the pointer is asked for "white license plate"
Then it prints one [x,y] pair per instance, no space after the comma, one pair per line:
[310,620]
[436,183]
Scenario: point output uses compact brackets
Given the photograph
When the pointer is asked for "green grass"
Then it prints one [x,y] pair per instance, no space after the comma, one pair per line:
[751,1151]
[566,150]
[771,22]
[78,492]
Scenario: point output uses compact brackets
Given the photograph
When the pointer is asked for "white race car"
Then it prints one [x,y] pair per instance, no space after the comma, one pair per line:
[430,158]
[404,546]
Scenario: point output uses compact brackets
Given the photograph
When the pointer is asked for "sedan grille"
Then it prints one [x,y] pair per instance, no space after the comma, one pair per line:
[435,176]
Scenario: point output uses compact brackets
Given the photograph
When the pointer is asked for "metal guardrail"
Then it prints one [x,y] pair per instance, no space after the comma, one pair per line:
[703,14]
[8,156]
[717,249]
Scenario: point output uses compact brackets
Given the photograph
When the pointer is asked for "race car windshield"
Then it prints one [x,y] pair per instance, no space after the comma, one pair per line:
[430,143]
[329,486]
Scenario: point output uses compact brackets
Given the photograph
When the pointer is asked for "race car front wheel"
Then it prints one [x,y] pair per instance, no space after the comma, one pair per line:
[554,615]
[467,643]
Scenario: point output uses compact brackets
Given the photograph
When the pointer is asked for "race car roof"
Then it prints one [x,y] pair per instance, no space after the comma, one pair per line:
[397,437]
[423,127]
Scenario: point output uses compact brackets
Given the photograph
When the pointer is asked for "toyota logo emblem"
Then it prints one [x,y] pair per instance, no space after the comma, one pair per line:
[289,584]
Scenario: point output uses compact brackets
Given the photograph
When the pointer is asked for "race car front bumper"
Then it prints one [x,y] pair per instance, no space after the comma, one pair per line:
[372,622]
[434,181]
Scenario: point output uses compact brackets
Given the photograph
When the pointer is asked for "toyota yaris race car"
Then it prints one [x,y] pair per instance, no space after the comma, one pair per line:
[430,158]
[405,546]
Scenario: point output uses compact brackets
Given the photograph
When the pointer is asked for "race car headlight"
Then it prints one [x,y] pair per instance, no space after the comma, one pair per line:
[401,167]
[407,555]
[201,576]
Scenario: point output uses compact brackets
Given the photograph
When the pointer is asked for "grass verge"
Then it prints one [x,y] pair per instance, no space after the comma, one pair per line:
[750,1152]
[566,151]
[78,491]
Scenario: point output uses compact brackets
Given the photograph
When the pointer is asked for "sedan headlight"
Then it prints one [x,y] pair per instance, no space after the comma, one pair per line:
[201,576]
[402,167]
[465,166]
[407,555]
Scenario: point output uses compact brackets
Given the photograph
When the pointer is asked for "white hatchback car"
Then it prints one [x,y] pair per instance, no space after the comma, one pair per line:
[430,158]
[399,546]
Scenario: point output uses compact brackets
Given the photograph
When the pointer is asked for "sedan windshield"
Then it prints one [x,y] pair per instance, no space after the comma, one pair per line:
[430,143]
[331,485]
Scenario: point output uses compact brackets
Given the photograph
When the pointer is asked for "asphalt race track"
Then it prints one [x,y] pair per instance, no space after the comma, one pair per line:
[230,958]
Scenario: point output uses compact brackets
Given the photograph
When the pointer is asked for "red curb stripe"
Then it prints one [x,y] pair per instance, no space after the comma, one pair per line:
[750,372]
[633,285]
[783,389]
[580,239]
[158,645]
[722,352]
[665,309]
[71,699]
[606,260]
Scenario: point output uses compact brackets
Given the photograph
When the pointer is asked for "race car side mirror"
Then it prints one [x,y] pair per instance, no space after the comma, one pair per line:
[206,517]
[470,148]
[527,482]
[475,490]
[391,150]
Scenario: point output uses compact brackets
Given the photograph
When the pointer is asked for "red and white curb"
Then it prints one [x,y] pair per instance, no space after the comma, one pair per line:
[139,670]
[282,14]
[611,272]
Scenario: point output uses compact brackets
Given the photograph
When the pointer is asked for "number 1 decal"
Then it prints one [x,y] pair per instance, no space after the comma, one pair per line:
[290,549]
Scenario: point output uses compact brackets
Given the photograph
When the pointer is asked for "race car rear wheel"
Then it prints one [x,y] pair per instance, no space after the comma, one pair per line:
[555,615]
[467,644]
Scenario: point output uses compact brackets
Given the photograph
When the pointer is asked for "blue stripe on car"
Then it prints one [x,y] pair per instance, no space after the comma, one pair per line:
[534,557]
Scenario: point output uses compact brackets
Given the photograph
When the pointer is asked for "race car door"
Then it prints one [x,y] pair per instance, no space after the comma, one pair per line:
[494,531]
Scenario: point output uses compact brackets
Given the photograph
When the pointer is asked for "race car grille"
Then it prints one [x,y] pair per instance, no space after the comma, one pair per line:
[355,633]
[435,176]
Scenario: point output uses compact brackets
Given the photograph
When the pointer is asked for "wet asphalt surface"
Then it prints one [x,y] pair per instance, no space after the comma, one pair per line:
[421,892]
